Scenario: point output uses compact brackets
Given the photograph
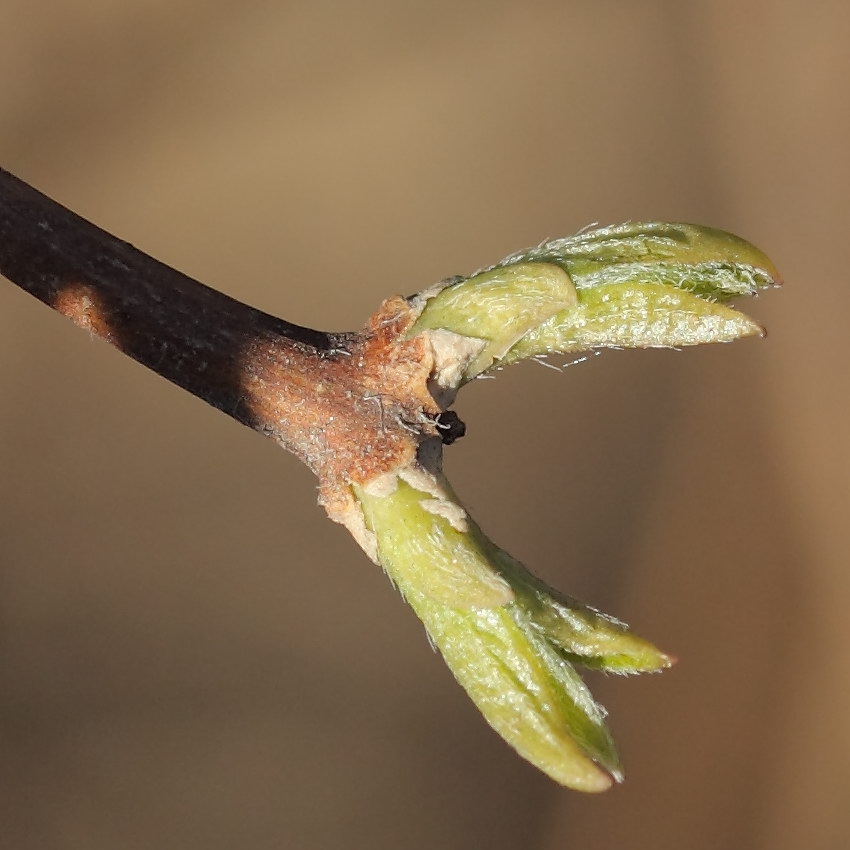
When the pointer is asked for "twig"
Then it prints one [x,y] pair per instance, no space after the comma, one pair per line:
[295,384]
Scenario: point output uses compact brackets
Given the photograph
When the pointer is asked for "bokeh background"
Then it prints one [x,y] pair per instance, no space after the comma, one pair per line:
[193,657]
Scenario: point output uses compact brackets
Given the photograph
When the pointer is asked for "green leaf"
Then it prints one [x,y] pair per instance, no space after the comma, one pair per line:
[582,634]
[498,308]
[425,540]
[634,315]
[703,260]
[526,691]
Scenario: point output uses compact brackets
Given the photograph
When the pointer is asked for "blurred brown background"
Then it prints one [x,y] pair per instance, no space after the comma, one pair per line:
[193,657]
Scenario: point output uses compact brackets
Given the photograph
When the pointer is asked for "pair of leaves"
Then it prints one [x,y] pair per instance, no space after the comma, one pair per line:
[510,640]
[628,286]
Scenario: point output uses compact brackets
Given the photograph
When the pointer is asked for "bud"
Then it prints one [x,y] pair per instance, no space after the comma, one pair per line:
[628,286]
[508,638]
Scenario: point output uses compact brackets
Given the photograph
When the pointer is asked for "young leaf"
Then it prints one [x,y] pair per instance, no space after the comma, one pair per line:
[508,638]
[628,286]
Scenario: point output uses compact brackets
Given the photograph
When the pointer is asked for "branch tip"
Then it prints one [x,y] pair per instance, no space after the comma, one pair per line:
[369,413]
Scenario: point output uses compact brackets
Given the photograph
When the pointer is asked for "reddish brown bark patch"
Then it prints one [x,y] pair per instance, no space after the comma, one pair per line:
[82,305]
[353,414]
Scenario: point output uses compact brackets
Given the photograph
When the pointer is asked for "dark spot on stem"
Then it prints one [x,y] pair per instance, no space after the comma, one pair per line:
[451,427]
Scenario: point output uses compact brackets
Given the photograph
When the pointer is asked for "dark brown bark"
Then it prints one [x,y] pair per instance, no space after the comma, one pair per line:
[349,405]
[185,331]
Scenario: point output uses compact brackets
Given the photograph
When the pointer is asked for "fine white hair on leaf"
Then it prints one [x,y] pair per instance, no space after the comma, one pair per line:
[541,359]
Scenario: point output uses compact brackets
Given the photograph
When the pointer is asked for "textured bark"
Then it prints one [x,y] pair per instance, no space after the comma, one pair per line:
[349,405]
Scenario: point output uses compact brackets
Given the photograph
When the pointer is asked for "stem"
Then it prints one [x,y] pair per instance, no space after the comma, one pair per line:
[190,334]
[328,398]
